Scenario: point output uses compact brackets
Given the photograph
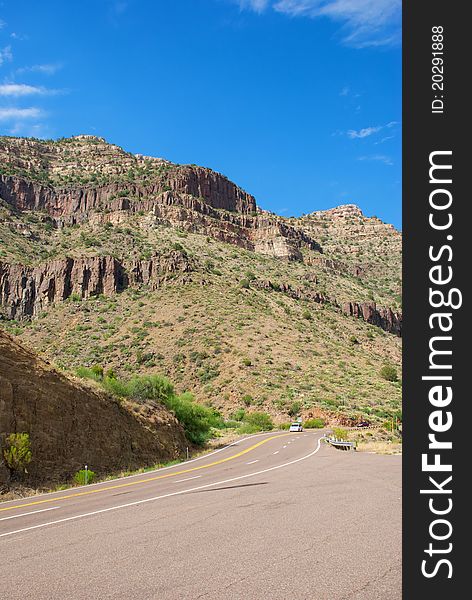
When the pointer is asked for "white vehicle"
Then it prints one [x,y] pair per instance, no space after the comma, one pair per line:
[296,427]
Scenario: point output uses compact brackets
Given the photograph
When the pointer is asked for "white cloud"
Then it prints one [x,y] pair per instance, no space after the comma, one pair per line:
[47,69]
[258,6]
[379,158]
[12,114]
[21,89]
[5,55]
[362,133]
[18,36]
[367,131]
[28,129]
[364,22]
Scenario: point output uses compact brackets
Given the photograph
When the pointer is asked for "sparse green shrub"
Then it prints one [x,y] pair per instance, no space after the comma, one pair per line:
[340,434]
[314,424]
[239,414]
[197,420]
[86,373]
[150,387]
[230,424]
[260,420]
[248,428]
[294,408]
[389,373]
[247,362]
[353,340]
[284,426]
[247,399]
[97,370]
[17,452]
[306,314]
[244,283]
[84,477]
[75,297]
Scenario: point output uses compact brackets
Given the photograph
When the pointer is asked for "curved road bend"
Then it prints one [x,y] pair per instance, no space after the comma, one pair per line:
[273,516]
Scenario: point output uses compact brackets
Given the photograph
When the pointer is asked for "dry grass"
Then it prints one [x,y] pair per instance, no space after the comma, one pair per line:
[380,447]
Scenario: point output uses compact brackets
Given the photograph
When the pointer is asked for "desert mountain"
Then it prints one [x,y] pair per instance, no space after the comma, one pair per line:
[142,265]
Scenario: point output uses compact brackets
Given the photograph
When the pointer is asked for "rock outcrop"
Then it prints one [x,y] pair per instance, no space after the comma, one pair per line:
[26,291]
[71,424]
[384,318]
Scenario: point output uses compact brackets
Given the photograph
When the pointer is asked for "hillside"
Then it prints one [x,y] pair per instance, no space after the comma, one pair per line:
[146,266]
[71,424]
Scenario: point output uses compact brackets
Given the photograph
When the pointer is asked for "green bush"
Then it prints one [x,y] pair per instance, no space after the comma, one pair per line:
[389,373]
[17,452]
[340,434]
[86,373]
[239,414]
[314,424]
[248,428]
[284,426]
[247,399]
[84,477]
[294,408]
[97,370]
[247,362]
[260,420]
[150,387]
[306,314]
[197,420]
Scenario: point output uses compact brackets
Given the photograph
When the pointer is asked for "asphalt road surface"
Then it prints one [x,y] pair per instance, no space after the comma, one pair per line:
[274,516]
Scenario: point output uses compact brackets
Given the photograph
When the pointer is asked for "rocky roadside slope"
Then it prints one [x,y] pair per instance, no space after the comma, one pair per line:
[71,424]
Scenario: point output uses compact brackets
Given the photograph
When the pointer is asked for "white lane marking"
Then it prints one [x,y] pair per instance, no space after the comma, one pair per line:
[137,502]
[187,478]
[34,512]
[184,462]
[276,452]
[252,462]
[284,446]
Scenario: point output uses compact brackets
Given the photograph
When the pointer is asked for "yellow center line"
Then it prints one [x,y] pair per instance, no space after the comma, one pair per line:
[147,480]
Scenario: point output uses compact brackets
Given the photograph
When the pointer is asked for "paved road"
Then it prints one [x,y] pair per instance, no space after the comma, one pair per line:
[275,516]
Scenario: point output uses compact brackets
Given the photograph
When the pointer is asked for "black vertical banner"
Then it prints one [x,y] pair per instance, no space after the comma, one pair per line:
[437,345]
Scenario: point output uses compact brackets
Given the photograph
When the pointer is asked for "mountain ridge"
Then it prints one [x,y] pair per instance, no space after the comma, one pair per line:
[90,232]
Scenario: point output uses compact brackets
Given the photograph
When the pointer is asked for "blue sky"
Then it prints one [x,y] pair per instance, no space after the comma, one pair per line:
[297,101]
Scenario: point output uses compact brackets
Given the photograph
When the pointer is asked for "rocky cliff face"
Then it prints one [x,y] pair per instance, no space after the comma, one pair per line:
[70,424]
[85,181]
[26,291]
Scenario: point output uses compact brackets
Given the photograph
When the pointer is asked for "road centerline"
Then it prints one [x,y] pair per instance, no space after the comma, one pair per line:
[180,492]
[142,481]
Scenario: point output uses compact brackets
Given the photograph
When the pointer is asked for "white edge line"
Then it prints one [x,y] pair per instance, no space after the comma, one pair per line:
[187,478]
[33,512]
[252,462]
[144,473]
[179,493]
[276,452]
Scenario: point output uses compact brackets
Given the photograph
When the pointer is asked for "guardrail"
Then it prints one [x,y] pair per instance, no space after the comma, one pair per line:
[340,444]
